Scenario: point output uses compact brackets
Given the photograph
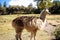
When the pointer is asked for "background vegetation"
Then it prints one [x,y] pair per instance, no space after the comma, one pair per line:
[54,8]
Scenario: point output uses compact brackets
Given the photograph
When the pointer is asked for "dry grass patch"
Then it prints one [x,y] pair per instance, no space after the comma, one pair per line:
[7,32]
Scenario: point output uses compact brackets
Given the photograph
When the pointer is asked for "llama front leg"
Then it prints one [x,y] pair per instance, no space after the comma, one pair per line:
[16,36]
[31,35]
[20,35]
[35,34]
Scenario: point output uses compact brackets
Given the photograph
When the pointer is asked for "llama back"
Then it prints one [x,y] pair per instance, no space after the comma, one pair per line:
[22,21]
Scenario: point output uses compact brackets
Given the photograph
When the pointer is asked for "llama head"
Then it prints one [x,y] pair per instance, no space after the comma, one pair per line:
[47,11]
[43,14]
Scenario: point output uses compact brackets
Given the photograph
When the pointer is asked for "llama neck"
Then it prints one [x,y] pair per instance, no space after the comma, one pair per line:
[42,17]
[44,24]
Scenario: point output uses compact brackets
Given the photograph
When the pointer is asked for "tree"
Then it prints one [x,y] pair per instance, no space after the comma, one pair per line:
[37,1]
[30,8]
[56,3]
[4,7]
[4,4]
[41,4]
[0,6]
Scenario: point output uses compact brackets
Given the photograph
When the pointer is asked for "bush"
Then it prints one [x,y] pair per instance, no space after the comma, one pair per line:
[57,33]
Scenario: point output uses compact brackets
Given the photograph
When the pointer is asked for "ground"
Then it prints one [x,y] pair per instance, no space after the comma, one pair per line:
[7,32]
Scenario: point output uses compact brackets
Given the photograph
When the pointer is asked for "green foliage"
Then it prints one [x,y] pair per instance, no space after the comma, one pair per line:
[44,3]
[0,6]
[4,4]
[57,3]
[38,1]
[30,8]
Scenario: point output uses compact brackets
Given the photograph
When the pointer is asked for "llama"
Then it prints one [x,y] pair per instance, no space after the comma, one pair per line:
[30,23]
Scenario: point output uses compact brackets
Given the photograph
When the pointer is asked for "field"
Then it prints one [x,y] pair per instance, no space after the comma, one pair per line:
[7,32]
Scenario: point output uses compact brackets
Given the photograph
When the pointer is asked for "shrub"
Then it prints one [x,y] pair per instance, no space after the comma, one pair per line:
[57,33]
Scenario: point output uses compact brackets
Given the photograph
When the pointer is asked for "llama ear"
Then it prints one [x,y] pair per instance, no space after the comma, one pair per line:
[48,11]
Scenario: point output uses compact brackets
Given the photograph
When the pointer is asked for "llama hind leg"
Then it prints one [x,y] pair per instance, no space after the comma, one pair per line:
[18,36]
[35,34]
[31,35]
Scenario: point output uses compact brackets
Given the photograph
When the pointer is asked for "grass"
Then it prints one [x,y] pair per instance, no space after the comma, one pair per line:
[7,32]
